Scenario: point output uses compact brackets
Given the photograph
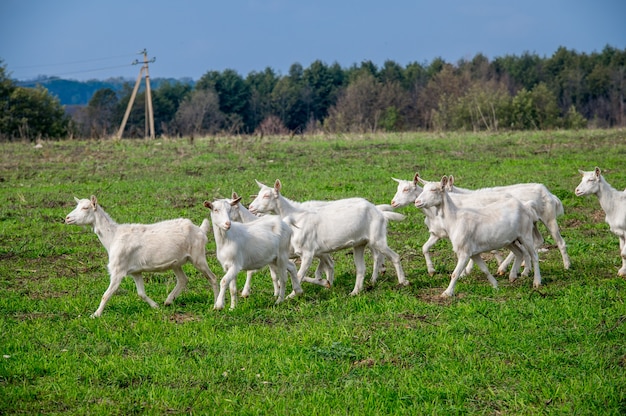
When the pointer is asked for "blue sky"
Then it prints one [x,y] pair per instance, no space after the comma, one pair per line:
[97,39]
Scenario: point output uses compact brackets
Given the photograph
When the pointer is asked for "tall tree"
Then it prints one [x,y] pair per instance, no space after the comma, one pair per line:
[165,100]
[608,80]
[31,113]
[440,96]
[199,113]
[524,71]
[484,106]
[366,67]
[564,76]
[391,72]
[415,80]
[368,105]
[100,118]
[6,90]
[322,83]
[546,109]
[290,99]
[356,109]
[261,85]
[536,109]
[233,93]
[436,66]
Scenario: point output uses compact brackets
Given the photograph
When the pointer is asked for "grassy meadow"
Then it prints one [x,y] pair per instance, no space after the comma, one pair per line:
[559,349]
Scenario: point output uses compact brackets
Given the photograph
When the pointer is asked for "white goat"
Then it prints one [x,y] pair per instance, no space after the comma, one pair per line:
[250,246]
[612,201]
[137,248]
[547,206]
[326,265]
[486,227]
[406,194]
[239,213]
[348,223]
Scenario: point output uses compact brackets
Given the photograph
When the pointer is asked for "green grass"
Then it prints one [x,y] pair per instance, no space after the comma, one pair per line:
[559,349]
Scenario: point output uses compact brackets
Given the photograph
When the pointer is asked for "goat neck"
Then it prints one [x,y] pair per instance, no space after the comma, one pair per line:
[606,194]
[104,227]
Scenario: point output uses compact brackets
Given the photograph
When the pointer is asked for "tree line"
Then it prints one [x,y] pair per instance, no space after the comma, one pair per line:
[566,90]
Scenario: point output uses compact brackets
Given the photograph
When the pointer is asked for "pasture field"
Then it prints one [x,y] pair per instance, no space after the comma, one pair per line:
[559,349]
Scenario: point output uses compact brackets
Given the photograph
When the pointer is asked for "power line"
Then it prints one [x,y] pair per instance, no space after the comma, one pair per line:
[38,78]
[73,62]
[62,73]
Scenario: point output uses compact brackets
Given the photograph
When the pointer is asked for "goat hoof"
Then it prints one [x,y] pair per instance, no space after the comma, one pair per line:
[294,294]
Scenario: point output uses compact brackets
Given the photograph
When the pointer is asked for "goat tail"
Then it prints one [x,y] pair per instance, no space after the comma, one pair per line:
[387,211]
[393,216]
[537,237]
[558,205]
[205,226]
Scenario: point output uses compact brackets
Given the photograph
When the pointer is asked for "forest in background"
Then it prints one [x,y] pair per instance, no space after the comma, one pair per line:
[566,90]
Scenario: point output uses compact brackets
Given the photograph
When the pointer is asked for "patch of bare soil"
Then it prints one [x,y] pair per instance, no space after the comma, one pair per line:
[181,318]
[433,295]
[598,215]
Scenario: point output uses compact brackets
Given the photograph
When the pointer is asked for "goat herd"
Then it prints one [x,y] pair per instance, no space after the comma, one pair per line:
[476,222]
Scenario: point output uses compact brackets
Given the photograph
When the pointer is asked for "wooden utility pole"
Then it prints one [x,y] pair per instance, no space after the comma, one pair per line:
[149,111]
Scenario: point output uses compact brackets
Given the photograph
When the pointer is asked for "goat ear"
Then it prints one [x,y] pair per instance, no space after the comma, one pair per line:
[235,201]
[417,179]
[450,180]
[397,180]
[207,204]
[94,201]
[277,186]
[259,183]
[444,181]
[582,172]
[597,170]
[77,200]
[234,195]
